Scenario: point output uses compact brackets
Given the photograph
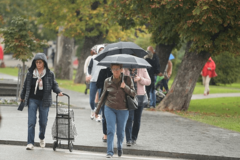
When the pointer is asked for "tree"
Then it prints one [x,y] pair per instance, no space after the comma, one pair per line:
[21,41]
[209,28]
[86,20]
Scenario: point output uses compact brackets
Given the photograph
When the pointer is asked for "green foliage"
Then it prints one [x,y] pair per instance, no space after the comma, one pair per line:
[220,112]
[81,19]
[20,40]
[227,68]
[28,10]
[212,25]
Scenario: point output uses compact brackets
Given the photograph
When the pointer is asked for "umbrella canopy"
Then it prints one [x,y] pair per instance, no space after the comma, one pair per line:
[171,56]
[121,48]
[128,61]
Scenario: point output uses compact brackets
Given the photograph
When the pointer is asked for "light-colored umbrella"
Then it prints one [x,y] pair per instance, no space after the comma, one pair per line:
[128,61]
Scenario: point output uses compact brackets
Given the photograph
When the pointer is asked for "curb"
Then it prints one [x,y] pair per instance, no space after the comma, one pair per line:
[129,151]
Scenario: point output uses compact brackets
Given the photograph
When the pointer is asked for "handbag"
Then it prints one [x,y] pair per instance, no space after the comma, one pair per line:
[21,106]
[132,103]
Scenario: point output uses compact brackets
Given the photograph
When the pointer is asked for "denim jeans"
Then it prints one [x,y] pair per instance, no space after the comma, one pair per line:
[134,121]
[93,91]
[33,105]
[153,95]
[104,123]
[164,83]
[118,118]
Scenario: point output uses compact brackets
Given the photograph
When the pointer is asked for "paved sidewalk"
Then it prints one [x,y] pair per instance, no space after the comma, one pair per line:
[162,133]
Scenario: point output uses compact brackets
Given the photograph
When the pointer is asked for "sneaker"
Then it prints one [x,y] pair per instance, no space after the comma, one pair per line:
[108,156]
[120,153]
[99,118]
[133,142]
[129,143]
[207,92]
[29,147]
[42,143]
[92,115]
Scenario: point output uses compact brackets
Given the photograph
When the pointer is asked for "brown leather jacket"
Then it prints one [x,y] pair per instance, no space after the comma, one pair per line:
[113,96]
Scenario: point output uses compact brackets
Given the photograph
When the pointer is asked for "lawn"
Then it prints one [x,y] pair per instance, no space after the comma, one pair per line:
[68,84]
[220,112]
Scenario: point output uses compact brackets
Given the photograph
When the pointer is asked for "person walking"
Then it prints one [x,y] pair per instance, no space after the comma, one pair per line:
[167,74]
[141,79]
[156,70]
[2,65]
[85,69]
[37,95]
[104,73]
[52,57]
[93,72]
[114,92]
[207,73]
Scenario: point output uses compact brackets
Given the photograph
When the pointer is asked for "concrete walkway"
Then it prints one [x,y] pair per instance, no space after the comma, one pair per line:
[162,133]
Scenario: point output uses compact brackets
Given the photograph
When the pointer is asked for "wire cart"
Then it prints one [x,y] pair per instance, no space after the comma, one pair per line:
[63,127]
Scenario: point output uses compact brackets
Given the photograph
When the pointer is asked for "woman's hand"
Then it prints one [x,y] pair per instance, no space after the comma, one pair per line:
[60,94]
[137,78]
[123,85]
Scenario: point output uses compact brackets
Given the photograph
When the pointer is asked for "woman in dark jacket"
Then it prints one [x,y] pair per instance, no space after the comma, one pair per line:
[37,95]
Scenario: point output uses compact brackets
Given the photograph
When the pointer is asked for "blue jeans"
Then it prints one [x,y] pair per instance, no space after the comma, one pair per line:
[134,122]
[33,105]
[93,91]
[119,118]
[153,95]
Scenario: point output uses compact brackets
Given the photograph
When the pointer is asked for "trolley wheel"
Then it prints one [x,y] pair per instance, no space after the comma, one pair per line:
[70,146]
[55,145]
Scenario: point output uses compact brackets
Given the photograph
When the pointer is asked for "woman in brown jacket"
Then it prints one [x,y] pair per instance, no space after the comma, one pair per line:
[116,112]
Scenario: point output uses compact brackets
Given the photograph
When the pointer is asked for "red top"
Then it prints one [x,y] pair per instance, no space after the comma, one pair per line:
[1,53]
[209,69]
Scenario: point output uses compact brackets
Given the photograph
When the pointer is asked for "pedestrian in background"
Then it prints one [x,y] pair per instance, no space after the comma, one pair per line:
[207,73]
[93,71]
[156,70]
[2,65]
[141,79]
[37,95]
[167,74]
[116,112]
[86,64]
[104,74]
[52,57]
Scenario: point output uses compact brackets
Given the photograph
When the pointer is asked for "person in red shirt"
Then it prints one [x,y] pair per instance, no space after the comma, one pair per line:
[207,73]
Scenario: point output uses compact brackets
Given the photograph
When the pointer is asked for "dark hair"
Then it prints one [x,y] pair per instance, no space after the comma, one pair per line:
[116,64]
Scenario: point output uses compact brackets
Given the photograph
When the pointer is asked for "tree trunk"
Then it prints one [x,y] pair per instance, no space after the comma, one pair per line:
[85,52]
[179,96]
[64,67]
[163,52]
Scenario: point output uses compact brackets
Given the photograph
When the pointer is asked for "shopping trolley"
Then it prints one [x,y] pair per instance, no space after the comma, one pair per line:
[63,127]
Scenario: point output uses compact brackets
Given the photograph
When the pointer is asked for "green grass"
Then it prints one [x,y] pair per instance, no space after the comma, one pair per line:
[9,71]
[68,84]
[220,112]
[199,88]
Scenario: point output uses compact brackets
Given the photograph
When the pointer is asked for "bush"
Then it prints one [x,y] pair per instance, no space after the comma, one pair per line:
[227,68]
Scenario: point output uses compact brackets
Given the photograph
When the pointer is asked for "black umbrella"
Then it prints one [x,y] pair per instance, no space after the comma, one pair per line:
[128,61]
[121,48]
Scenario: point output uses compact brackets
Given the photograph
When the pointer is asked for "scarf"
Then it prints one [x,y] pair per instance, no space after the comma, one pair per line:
[39,79]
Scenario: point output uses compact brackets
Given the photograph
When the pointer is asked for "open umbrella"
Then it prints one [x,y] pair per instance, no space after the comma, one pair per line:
[171,56]
[121,48]
[128,61]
